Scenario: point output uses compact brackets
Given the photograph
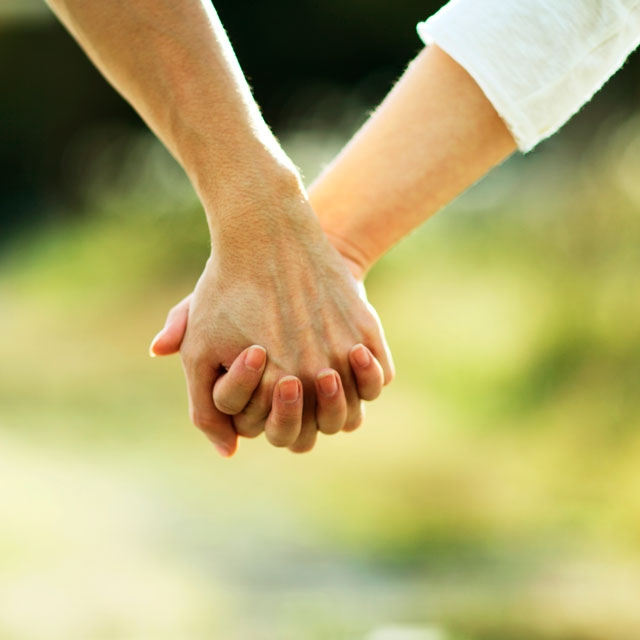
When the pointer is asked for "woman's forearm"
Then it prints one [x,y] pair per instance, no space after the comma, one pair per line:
[172,60]
[434,135]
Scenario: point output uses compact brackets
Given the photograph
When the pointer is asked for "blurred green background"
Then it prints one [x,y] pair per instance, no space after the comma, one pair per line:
[494,490]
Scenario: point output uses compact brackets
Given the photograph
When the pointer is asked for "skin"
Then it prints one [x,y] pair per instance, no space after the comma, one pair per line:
[273,278]
[233,391]
[433,136]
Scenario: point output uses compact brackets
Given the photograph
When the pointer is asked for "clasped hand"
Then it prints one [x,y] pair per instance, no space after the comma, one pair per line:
[278,335]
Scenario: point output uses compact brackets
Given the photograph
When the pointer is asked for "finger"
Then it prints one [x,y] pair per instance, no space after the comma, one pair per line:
[380,349]
[204,415]
[354,404]
[251,420]
[285,420]
[382,353]
[331,407]
[168,341]
[367,371]
[355,417]
[233,390]
[309,428]
[308,435]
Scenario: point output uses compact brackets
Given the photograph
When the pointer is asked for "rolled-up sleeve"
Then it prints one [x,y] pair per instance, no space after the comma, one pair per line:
[537,61]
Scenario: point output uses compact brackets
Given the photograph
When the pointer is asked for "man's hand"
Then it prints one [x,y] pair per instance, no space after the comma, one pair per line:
[274,280]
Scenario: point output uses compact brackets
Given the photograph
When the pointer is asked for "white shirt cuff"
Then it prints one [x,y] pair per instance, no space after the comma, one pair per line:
[537,61]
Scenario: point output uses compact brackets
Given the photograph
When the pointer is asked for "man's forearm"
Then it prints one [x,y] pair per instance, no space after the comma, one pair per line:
[172,60]
[433,136]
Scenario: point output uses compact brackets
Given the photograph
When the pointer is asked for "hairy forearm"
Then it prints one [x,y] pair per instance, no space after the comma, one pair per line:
[433,136]
[172,60]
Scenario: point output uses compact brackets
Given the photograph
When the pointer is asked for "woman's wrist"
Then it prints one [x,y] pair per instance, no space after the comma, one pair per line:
[338,223]
[355,259]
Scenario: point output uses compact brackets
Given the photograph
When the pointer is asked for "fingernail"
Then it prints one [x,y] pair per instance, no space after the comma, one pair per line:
[255,358]
[289,390]
[222,449]
[328,383]
[361,356]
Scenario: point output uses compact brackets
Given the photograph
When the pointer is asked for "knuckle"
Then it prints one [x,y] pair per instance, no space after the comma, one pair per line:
[370,327]
[204,421]
[249,426]
[354,420]
[287,423]
[302,447]
[329,427]
[280,438]
[248,430]
[283,431]
[331,420]
[256,409]
[228,405]
[185,355]
[190,358]
[371,392]
[307,438]
[245,385]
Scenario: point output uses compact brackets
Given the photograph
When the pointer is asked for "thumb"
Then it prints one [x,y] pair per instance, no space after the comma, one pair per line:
[168,341]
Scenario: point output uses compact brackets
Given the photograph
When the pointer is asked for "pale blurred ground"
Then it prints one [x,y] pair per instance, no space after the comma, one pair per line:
[493,493]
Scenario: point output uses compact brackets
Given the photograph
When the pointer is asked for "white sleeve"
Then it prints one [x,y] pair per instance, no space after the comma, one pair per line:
[537,61]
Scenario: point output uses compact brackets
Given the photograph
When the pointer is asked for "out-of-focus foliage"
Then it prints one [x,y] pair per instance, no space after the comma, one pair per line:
[493,492]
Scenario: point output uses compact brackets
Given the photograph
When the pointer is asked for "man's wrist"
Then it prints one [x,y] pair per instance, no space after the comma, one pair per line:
[244,175]
[260,201]
[215,164]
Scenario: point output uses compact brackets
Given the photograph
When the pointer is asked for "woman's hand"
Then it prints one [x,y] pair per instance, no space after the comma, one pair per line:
[233,390]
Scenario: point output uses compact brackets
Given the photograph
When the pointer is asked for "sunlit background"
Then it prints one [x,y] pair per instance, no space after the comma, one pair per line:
[494,490]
